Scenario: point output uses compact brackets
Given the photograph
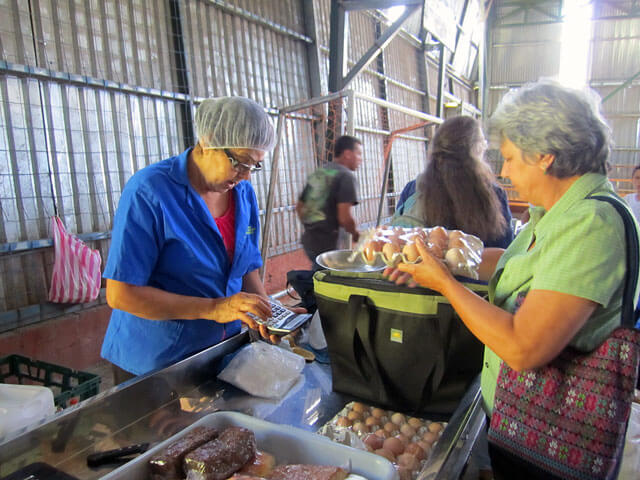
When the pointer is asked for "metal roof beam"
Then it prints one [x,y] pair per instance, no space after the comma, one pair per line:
[350,5]
[379,45]
[622,87]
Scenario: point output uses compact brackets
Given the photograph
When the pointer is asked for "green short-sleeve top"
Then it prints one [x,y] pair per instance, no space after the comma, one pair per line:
[579,250]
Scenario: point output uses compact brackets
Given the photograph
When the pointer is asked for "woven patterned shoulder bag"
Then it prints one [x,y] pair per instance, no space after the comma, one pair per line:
[569,418]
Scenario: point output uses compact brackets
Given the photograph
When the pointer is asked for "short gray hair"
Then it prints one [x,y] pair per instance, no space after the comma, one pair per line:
[546,117]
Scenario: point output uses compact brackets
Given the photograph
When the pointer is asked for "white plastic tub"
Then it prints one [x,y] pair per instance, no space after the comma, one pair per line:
[288,444]
[23,405]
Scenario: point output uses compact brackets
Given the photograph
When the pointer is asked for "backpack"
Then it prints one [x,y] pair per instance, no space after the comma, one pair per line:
[316,194]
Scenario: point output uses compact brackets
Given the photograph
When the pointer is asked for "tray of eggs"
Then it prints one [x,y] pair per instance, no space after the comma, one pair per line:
[403,440]
[460,251]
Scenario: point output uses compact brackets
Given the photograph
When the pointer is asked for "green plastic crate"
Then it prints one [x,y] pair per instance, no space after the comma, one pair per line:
[65,383]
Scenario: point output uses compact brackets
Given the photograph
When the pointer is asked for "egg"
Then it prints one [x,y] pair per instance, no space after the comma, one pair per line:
[435,427]
[439,236]
[359,407]
[394,445]
[430,437]
[353,415]
[344,422]
[458,243]
[417,450]
[383,452]
[408,460]
[360,427]
[369,251]
[415,422]
[372,422]
[398,418]
[382,433]
[373,441]
[410,252]
[390,427]
[403,438]
[426,446]
[456,234]
[378,413]
[407,430]
[390,249]
[455,258]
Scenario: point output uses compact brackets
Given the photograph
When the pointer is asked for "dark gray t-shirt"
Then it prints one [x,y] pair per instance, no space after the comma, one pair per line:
[326,187]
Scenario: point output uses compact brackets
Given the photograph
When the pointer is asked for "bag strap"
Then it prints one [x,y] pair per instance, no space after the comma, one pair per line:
[629,311]
[360,309]
[438,372]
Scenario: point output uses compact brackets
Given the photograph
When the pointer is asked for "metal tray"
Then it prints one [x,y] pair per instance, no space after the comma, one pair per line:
[288,444]
[348,261]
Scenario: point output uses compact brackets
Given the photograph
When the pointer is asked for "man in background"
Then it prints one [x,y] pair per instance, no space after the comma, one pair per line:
[325,203]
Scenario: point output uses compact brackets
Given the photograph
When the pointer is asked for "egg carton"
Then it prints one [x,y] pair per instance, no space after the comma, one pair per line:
[356,425]
[462,259]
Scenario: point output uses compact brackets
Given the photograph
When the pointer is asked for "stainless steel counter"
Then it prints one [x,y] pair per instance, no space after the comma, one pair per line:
[153,407]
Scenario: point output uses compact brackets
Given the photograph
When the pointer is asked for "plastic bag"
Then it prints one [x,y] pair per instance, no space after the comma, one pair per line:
[76,269]
[263,370]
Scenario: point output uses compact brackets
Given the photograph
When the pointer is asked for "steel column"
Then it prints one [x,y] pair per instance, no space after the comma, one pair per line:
[181,72]
[337,46]
[441,79]
[275,159]
[378,46]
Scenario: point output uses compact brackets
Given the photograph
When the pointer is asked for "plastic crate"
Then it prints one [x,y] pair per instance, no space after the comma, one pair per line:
[66,383]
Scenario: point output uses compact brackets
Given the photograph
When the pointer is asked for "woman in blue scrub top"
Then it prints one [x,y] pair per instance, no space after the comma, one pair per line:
[182,271]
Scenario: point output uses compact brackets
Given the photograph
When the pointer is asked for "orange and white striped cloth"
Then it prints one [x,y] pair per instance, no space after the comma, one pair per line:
[76,269]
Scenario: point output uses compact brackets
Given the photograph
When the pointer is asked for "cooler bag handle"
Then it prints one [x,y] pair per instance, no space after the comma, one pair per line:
[361,309]
[439,369]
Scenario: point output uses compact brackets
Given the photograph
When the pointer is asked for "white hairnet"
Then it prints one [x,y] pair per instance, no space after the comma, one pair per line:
[234,122]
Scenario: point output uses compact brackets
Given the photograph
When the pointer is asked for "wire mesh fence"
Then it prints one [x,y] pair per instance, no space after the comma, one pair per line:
[91,92]
[308,132]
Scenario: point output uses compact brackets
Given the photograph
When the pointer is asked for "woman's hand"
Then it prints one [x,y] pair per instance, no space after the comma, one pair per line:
[399,278]
[430,272]
[275,339]
[238,307]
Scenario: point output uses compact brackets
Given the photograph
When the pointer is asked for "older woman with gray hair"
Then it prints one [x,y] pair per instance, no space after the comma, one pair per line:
[560,283]
[182,271]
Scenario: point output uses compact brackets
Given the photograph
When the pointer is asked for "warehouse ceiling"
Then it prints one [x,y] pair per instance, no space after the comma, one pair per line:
[439,28]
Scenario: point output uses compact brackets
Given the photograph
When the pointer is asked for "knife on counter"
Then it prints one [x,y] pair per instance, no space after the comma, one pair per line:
[116,455]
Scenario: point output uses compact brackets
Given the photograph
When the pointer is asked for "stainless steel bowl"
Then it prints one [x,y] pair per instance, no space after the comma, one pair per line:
[340,260]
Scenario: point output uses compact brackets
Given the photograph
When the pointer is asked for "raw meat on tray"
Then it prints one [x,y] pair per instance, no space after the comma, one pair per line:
[221,458]
[168,464]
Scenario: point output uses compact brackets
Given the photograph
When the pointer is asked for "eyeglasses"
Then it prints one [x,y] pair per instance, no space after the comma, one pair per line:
[240,166]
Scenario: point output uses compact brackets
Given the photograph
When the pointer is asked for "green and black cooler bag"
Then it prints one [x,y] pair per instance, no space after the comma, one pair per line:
[399,347]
